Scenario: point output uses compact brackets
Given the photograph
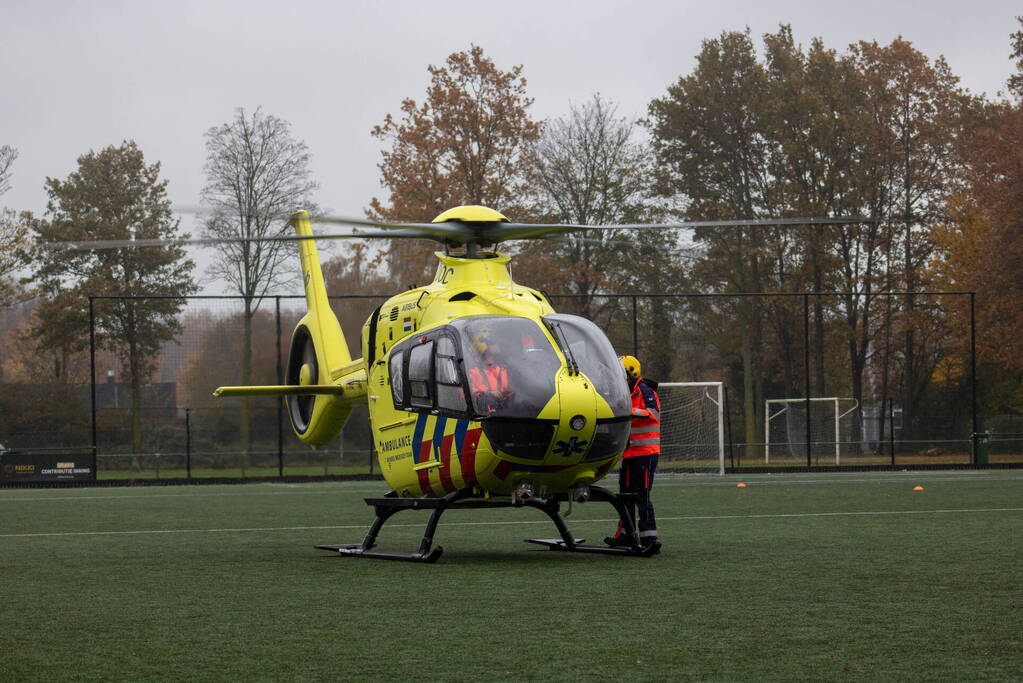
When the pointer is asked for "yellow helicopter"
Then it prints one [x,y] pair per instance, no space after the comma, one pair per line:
[479,393]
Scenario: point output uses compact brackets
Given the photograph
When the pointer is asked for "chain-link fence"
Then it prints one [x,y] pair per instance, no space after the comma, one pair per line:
[885,379]
[819,379]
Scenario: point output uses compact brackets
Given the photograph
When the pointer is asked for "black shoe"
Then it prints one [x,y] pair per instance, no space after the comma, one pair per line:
[618,541]
[652,548]
[649,540]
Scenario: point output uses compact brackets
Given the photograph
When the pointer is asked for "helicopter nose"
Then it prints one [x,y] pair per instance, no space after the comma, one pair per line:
[577,420]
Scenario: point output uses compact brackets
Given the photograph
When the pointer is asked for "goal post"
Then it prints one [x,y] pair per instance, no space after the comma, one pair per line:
[785,423]
[693,426]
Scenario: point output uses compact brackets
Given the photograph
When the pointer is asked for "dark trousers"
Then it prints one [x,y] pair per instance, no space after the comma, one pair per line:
[637,476]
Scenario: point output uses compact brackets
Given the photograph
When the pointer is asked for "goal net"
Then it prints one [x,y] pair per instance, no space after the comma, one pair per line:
[830,424]
[692,426]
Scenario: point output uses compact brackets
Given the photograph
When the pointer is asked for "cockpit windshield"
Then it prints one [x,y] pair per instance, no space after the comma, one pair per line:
[589,349]
[509,363]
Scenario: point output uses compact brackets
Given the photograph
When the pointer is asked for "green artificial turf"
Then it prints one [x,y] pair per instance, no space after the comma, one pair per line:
[851,576]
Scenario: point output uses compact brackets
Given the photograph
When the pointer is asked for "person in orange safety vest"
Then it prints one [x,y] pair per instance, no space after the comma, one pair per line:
[490,379]
[493,378]
[639,461]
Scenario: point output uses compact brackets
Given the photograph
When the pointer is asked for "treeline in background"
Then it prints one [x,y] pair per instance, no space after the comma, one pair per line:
[758,129]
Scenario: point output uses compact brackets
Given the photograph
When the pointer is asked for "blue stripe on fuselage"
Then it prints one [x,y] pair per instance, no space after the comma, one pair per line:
[417,438]
[461,427]
[438,434]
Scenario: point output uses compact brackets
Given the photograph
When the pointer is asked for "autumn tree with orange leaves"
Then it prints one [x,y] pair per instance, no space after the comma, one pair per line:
[982,243]
[464,144]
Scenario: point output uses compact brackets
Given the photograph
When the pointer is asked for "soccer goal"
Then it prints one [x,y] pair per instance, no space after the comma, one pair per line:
[785,426]
[693,426]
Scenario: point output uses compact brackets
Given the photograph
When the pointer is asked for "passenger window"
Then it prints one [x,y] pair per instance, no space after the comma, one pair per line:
[419,375]
[447,371]
[397,385]
[450,393]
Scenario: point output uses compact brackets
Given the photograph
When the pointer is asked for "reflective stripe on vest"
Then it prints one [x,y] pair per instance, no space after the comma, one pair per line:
[645,437]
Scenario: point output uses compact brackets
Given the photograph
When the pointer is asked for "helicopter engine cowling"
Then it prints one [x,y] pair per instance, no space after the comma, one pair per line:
[316,418]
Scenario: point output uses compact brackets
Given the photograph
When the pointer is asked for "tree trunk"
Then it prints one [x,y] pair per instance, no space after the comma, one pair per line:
[818,329]
[244,417]
[856,362]
[136,400]
[752,382]
[886,374]
[909,369]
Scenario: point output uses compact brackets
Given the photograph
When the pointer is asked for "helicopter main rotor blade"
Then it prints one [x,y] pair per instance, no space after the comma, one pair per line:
[452,230]
[449,232]
[511,231]
[214,241]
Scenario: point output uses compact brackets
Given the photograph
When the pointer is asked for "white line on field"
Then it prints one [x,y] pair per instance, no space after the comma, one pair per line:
[664,480]
[128,496]
[780,481]
[520,522]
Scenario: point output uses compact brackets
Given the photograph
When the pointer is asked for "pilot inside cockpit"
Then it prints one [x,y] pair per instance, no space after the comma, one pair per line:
[488,380]
[510,365]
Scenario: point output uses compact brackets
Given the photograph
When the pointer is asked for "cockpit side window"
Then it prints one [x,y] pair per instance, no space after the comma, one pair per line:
[588,349]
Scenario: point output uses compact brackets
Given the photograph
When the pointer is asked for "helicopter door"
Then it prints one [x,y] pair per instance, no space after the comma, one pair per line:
[419,366]
[425,376]
[450,392]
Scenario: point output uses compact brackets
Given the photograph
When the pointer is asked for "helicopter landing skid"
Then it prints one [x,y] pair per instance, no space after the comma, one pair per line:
[568,543]
[579,547]
[465,498]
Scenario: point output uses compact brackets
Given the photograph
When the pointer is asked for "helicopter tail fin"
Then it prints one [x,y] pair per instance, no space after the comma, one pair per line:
[323,383]
[319,317]
[319,355]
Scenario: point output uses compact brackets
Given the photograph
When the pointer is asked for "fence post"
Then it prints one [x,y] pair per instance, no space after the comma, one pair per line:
[973,373]
[728,426]
[188,443]
[891,427]
[92,385]
[280,403]
[635,329]
[806,370]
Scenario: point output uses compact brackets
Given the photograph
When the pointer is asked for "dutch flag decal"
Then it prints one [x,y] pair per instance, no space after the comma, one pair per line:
[406,325]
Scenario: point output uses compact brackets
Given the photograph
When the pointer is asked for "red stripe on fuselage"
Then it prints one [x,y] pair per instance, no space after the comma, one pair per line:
[425,449]
[472,440]
[424,482]
[445,463]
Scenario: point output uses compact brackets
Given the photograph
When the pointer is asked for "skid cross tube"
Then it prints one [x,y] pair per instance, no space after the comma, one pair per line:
[387,506]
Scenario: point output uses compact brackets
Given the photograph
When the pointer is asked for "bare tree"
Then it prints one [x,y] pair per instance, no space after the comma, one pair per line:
[587,169]
[14,234]
[14,238]
[256,174]
[7,156]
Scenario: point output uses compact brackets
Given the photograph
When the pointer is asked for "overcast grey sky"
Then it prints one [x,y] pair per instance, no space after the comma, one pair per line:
[76,76]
